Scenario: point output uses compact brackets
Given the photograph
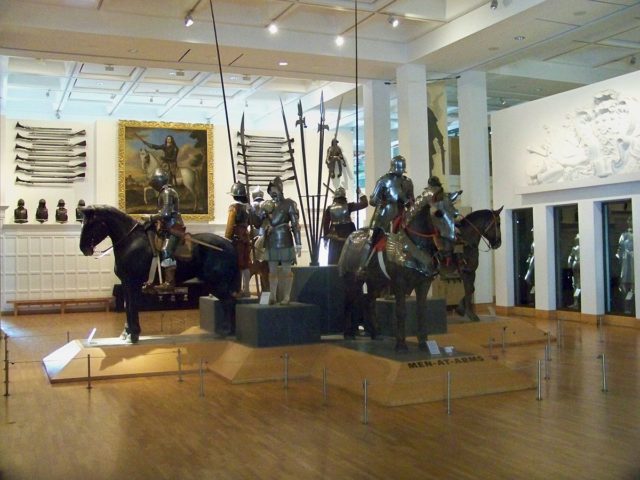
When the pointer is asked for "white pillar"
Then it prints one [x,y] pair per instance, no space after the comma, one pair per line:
[474,164]
[545,268]
[377,131]
[412,122]
[591,257]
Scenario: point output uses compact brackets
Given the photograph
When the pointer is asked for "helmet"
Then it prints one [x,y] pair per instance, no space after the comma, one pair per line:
[434,182]
[238,189]
[257,194]
[334,142]
[81,203]
[159,179]
[340,193]
[275,184]
[21,202]
[61,203]
[398,164]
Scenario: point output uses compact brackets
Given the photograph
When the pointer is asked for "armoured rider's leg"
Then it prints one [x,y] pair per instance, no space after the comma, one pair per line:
[168,265]
[246,279]
[286,277]
[273,282]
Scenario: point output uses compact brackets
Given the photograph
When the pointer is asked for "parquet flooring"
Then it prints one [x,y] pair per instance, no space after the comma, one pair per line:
[159,428]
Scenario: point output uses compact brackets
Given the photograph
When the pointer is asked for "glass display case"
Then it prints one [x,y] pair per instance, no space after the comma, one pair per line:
[567,246]
[618,258]
[523,257]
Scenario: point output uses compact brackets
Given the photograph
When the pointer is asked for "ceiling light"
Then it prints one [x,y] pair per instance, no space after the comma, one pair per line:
[283,64]
[273,28]
[339,40]
[108,68]
[150,99]
[393,21]
[188,20]
[179,73]
[503,101]
[494,4]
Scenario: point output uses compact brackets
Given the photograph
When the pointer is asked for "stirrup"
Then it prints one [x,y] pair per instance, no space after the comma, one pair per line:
[165,287]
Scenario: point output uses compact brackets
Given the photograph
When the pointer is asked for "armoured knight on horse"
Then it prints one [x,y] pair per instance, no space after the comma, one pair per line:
[392,194]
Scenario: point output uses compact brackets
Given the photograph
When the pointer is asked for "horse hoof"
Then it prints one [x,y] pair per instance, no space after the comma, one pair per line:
[124,335]
[135,337]
[401,346]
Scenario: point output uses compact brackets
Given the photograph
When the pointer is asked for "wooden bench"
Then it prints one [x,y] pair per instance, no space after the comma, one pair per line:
[104,302]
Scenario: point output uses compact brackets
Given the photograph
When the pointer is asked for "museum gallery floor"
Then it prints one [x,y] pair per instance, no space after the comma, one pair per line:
[205,426]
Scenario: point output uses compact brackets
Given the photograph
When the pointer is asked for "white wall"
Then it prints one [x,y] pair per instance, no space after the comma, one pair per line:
[570,171]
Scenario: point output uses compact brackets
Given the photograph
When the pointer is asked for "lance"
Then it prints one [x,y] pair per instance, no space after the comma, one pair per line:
[264,148]
[37,170]
[49,129]
[34,146]
[49,173]
[42,181]
[335,137]
[33,152]
[244,154]
[302,124]
[263,154]
[60,160]
[42,135]
[321,128]
[295,173]
[51,163]
[44,139]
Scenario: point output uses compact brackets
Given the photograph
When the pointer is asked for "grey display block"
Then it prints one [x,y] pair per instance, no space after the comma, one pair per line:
[321,286]
[211,314]
[274,325]
[436,316]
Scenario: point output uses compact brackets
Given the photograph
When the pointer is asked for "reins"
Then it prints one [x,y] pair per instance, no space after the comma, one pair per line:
[120,240]
[482,233]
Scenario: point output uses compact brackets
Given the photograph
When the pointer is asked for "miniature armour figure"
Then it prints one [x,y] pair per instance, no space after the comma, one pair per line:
[238,232]
[335,162]
[61,212]
[337,224]
[20,214]
[42,214]
[79,214]
[391,195]
[281,230]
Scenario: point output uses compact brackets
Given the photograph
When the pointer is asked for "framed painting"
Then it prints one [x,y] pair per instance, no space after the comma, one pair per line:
[183,150]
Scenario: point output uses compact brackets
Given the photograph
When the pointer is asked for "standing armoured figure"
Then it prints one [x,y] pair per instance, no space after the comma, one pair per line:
[42,213]
[169,225]
[573,262]
[391,195]
[61,212]
[625,257]
[337,224]
[238,222]
[335,162]
[257,219]
[170,158]
[281,230]
[20,214]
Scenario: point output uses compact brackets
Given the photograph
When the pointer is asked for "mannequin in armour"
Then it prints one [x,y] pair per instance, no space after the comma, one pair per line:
[79,214]
[257,218]
[61,212]
[281,230]
[530,276]
[624,254]
[167,221]
[238,232]
[392,194]
[335,162]
[337,224]
[20,214]
[573,262]
[443,216]
[42,213]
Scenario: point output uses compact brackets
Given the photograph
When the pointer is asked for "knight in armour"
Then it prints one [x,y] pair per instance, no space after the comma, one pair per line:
[337,224]
[624,254]
[443,216]
[392,194]
[20,214]
[169,226]
[282,240]
[42,213]
[257,217]
[61,212]
[335,161]
[238,222]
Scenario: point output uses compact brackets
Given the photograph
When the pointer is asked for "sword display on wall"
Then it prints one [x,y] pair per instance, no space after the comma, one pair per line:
[31,153]
[52,146]
[51,130]
[51,162]
[51,181]
[38,170]
[263,139]
[53,165]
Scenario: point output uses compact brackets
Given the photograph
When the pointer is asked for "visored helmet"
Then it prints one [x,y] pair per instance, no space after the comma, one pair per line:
[257,194]
[238,189]
[434,182]
[159,179]
[340,193]
[398,164]
[275,185]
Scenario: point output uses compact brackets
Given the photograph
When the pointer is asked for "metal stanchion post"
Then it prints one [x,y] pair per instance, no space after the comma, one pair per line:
[547,358]
[448,393]
[180,365]
[68,337]
[286,370]
[491,347]
[89,387]
[559,334]
[365,414]
[539,389]
[604,372]
[6,365]
[549,345]
[324,384]
[504,338]
[201,377]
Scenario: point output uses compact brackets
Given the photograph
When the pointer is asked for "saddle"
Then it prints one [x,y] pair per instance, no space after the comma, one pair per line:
[184,248]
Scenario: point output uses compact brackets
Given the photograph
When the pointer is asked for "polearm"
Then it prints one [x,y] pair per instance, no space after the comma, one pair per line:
[322,126]
[301,122]
[244,155]
[224,95]
[295,174]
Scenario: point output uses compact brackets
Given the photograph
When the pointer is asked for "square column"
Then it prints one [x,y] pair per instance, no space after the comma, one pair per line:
[377,131]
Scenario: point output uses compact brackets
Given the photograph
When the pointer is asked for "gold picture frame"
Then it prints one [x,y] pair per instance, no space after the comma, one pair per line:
[142,147]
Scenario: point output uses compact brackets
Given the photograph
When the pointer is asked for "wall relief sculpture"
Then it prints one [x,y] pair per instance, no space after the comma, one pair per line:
[597,140]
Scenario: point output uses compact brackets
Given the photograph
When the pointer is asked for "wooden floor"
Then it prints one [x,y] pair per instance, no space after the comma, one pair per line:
[159,428]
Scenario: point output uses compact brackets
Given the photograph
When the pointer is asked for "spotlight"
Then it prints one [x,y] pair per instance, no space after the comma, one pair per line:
[502,101]
[339,40]
[273,28]
[188,20]
[393,21]
[494,4]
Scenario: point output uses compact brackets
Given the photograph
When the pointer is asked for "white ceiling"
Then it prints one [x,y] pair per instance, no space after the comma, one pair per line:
[135,59]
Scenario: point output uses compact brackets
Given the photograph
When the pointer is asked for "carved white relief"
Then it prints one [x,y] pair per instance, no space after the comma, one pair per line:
[597,140]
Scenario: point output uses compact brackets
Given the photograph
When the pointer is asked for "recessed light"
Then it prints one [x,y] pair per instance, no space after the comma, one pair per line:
[109,68]
[393,21]
[283,64]
[339,40]
[273,28]
[519,38]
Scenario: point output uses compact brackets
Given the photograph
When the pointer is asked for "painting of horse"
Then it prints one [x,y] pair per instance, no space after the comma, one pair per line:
[408,261]
[216,267]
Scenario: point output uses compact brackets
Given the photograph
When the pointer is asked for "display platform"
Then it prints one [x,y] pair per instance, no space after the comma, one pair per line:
[321,286]
[490,329]
[436,316]
[211,314]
